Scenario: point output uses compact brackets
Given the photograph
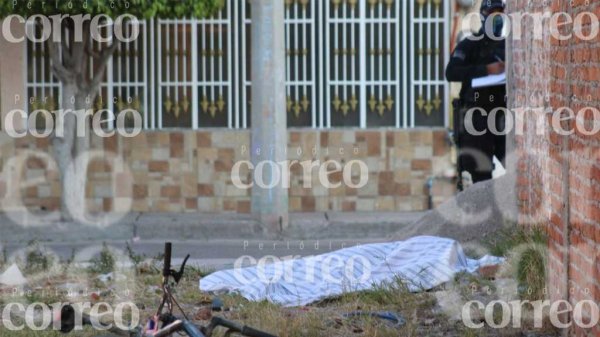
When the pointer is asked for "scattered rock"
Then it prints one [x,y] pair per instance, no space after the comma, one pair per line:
[429,321]
[217,304]
[488,272]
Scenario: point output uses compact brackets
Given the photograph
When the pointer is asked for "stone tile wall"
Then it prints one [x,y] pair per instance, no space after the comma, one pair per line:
[179,171]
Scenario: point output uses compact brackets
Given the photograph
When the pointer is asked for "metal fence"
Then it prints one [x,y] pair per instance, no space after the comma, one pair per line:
[350,63]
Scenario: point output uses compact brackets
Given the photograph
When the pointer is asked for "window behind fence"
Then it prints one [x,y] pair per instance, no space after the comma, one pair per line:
[350,63]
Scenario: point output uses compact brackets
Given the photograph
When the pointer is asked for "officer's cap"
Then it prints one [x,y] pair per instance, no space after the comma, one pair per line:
[488,5]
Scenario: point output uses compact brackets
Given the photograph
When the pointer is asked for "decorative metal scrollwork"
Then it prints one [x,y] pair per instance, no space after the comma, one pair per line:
[212,53]
[124,104]
[437,3]
[177,108]
[381,106]
[212,107]
[428,51]
[345,106]
[429,105]
[351,3]
[388,3]
[48,104]
[303,3]
[298,107]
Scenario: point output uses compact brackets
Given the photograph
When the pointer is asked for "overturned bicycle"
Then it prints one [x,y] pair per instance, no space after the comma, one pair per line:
[164,323]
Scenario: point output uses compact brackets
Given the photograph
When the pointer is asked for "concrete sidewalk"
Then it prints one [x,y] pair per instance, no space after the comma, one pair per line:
[213,254]
[19,227]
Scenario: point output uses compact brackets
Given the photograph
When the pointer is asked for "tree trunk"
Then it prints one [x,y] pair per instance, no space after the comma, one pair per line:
[70,152]
[70,64]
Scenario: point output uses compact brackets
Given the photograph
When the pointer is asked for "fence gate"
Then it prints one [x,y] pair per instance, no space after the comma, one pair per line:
[363,53]
[350,63]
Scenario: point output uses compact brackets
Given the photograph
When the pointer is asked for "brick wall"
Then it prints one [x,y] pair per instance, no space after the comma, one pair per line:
[191,171]
[559,176]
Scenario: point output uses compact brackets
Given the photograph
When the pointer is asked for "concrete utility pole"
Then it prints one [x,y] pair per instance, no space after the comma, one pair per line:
[269,119]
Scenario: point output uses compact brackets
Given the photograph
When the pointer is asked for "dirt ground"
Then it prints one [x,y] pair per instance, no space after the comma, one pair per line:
[473,218]
[424,314]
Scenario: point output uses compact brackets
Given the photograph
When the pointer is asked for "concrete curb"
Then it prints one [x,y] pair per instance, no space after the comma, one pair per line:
[203,226]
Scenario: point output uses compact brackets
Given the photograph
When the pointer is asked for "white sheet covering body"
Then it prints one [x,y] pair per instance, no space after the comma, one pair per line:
[422,263]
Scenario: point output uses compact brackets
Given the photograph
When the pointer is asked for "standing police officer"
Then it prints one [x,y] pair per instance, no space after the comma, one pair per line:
[477,56]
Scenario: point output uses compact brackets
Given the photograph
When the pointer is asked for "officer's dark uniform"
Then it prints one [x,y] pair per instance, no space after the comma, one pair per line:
[468,61]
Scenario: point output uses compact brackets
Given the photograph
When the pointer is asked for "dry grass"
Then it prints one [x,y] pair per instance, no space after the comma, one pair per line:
[322,319]
[326,318]
[526,251]
[420,310]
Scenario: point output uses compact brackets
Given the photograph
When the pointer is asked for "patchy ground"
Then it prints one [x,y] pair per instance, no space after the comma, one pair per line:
[425,314]
[433,313]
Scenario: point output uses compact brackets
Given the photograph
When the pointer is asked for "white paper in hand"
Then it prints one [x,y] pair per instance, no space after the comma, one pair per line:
[489,81]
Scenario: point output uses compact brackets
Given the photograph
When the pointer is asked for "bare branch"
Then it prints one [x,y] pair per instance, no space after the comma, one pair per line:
[58,69]
[82,53]
[91,52]
[78,61]
[105,55]
[87,35]
[66,51]
[66,42]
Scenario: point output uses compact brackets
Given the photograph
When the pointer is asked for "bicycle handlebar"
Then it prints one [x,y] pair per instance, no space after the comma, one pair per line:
[67,318]
[167,260]
[180,325]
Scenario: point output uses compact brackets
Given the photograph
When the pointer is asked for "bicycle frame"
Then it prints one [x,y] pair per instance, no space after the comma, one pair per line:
[173,324]
[177,326]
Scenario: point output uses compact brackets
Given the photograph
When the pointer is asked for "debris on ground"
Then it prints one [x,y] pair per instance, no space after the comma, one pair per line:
[394,320]
[13,277]
[203,314]
[217,304]
[423,314]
